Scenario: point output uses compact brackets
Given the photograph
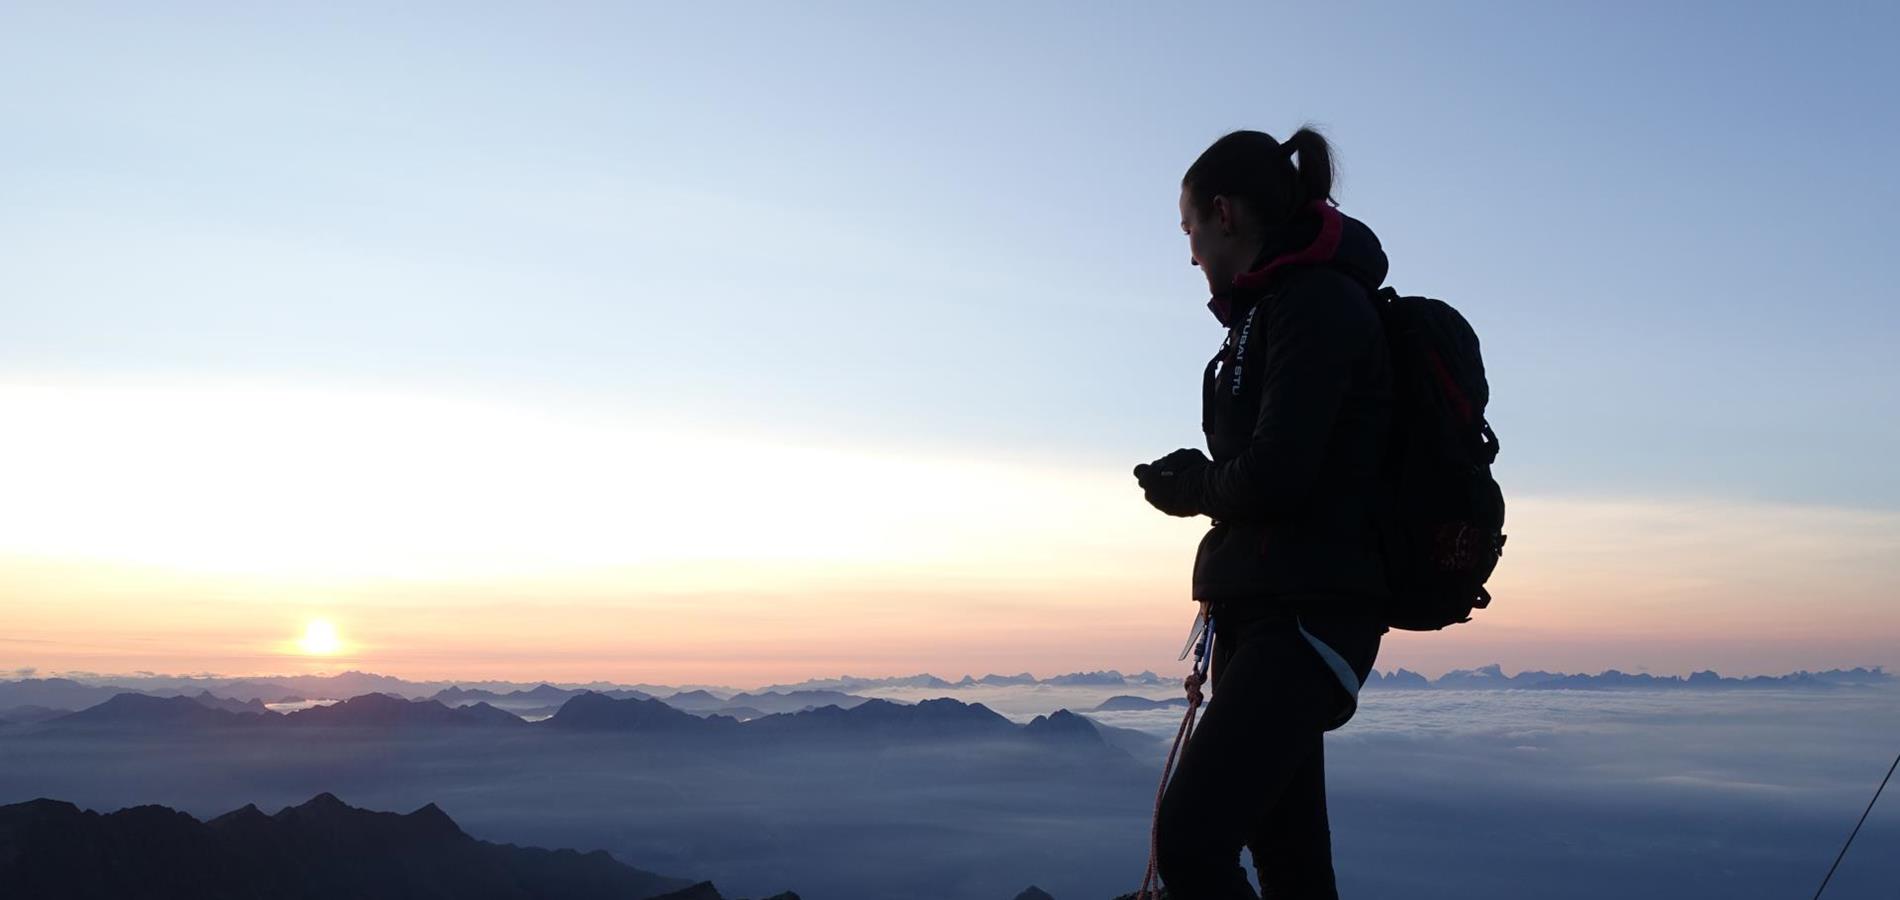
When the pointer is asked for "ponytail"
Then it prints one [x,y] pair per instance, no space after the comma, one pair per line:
[1315,170]
[1253,167]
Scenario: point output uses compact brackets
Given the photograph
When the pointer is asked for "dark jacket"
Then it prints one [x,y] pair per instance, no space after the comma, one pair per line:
[1296,409]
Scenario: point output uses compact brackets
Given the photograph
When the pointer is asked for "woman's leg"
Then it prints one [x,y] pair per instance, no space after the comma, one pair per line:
[1292,849]
[1272,702]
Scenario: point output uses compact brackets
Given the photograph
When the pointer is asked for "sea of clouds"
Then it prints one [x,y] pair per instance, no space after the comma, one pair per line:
[1468,794]
[1571,793]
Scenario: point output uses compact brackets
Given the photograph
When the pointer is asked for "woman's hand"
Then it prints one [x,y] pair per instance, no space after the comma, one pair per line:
[1169,483]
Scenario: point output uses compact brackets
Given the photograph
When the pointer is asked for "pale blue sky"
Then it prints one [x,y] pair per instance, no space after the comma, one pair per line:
[954,228]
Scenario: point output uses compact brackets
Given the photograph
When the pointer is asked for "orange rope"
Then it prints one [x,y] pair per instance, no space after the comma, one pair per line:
[1181,736]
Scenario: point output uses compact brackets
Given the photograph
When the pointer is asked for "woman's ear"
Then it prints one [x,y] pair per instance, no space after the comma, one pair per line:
[1225,210]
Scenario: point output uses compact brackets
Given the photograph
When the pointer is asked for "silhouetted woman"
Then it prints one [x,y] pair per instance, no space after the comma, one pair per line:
[1295,411]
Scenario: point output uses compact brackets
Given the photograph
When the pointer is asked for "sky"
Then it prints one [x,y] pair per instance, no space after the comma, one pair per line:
[747,344]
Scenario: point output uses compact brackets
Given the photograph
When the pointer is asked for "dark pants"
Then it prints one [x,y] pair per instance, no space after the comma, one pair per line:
[1254,772]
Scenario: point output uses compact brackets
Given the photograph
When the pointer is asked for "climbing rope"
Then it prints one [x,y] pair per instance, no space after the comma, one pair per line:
[1199,638]
[1850,835]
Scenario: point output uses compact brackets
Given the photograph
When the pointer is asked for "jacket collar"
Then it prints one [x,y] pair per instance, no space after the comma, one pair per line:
[1249,285]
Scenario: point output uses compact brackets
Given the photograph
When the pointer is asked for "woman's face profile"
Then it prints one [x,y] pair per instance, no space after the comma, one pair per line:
[1213,240]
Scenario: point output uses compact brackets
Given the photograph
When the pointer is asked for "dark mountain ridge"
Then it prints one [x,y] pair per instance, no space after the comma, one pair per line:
[541,695]
[322,848]
[253,707]
[1128,703]
[872,721]
[144,712]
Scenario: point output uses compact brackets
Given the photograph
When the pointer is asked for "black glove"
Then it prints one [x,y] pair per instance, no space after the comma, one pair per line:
[1170,482]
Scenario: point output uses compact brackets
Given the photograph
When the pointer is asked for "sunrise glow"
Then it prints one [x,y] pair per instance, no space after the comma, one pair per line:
[320,639]
[462,512]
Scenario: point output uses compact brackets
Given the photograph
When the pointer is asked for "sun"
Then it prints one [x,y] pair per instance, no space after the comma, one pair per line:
[320,639]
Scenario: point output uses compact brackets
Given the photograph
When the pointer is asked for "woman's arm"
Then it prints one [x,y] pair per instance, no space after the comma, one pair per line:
[1315,335]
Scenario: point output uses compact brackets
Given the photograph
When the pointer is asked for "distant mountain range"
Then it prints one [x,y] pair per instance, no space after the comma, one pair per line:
[370,710]
[873,721]
[869,722]
[925,680]
[540,695]
[59,692]
[323,848]
[761,702]
[253,707]
[36,699]
[1492,677]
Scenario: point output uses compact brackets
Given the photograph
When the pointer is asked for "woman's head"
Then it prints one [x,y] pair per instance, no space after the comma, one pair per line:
[1244,191]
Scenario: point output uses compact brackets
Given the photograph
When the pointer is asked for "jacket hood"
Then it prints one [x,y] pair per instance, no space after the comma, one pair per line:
[1325,236]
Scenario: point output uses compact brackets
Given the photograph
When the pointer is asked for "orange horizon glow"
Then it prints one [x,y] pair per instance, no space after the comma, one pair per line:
[158,529]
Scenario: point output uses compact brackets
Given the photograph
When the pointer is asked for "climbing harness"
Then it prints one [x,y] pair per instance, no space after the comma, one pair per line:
[1199,637]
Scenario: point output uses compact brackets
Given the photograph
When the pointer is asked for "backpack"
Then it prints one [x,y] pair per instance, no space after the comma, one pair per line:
[1444,515]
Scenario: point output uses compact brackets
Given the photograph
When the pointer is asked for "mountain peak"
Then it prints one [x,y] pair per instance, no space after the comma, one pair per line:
[246,816]
[324,801]
[592,710]
[47,805]
[1063,725]
[430,819]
